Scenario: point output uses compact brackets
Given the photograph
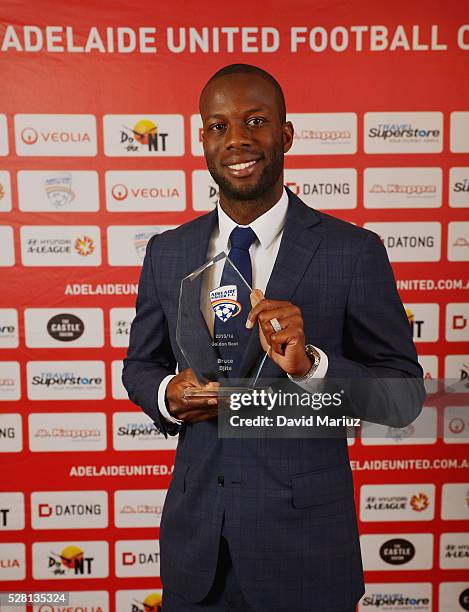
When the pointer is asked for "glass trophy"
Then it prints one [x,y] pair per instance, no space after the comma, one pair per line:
[219,349]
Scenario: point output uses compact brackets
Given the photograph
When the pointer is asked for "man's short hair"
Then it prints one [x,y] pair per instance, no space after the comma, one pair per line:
[250,69]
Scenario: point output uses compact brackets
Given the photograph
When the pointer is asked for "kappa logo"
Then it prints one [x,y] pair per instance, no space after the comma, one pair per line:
[59,189]
[224,302]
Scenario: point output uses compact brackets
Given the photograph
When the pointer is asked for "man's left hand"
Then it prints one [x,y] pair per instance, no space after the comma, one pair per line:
[287,346]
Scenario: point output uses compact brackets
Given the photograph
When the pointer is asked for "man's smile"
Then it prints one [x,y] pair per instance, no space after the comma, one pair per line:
[241,169]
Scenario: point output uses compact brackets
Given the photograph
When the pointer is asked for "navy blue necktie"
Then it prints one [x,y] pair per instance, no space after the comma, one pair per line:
[230,331]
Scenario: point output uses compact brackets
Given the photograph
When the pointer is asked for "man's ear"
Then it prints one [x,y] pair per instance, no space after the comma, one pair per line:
[288,132]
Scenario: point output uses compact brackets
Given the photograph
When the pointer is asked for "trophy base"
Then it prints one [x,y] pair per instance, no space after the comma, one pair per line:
[219,392]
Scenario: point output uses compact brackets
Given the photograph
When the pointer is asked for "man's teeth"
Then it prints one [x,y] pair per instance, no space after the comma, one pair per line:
[242,166]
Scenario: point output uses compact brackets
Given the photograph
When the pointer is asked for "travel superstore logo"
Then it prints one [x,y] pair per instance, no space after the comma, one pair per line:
[419,132]
[9,337]
[66,380]
[136,431]
[397,597]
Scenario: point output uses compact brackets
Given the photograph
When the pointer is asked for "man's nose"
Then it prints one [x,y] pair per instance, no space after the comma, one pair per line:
[237,136]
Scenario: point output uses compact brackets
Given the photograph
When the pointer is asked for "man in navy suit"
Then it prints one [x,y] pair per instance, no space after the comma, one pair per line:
[265,525]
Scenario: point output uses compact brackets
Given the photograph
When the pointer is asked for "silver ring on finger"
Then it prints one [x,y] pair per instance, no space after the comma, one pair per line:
[275,325]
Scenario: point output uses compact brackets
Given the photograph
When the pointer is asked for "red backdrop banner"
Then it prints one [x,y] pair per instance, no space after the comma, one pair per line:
[100,149]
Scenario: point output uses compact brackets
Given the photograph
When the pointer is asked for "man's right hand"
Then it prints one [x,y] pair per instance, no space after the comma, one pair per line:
[191,409]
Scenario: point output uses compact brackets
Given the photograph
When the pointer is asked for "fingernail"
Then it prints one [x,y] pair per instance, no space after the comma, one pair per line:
[212,402]
[249,324]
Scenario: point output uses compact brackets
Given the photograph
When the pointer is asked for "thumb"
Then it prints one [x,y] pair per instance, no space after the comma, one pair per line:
[256,297]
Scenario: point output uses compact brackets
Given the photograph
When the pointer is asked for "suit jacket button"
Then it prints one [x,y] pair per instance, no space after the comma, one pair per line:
[221,480]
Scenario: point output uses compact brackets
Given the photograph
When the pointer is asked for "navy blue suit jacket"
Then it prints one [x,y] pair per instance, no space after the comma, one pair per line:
[287,504]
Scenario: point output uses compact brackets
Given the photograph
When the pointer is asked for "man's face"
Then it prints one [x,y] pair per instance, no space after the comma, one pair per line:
[244,138]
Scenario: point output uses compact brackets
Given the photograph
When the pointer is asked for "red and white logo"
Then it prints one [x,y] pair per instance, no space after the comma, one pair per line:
[143,135]
[5,191]
[145,190]
[137,558]
[69,510]
[410,241]
[7,252]
[457,322]
[60,245]
[458,241]
[454,550]
[459,132]
[402,187]
[11,432]
[3,136]
[56,135]
[11,509]
[70,560]
[139,508]
[12,561]
[455,501]
[324,133]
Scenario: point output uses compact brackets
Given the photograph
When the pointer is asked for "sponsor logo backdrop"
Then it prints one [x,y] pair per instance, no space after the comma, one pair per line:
[100,120]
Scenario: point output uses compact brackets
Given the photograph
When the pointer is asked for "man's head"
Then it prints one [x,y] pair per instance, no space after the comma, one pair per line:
[245,134]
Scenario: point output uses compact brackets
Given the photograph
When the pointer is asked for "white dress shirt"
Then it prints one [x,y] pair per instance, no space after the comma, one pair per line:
[269,230]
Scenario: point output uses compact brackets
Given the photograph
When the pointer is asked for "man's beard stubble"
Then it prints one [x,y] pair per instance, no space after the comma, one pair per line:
[267,180]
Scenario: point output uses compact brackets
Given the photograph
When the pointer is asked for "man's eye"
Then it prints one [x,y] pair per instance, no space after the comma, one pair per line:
[256,121]
[216,127]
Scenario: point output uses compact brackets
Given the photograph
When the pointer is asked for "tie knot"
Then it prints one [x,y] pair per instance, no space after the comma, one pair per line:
[242,238]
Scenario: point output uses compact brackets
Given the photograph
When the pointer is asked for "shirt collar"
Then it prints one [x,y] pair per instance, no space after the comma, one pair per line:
[267,226]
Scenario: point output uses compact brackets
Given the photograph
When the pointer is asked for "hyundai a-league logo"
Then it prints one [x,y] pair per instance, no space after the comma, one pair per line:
[224,302]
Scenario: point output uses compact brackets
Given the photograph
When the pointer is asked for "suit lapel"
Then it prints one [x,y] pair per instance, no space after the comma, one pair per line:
[301,238]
